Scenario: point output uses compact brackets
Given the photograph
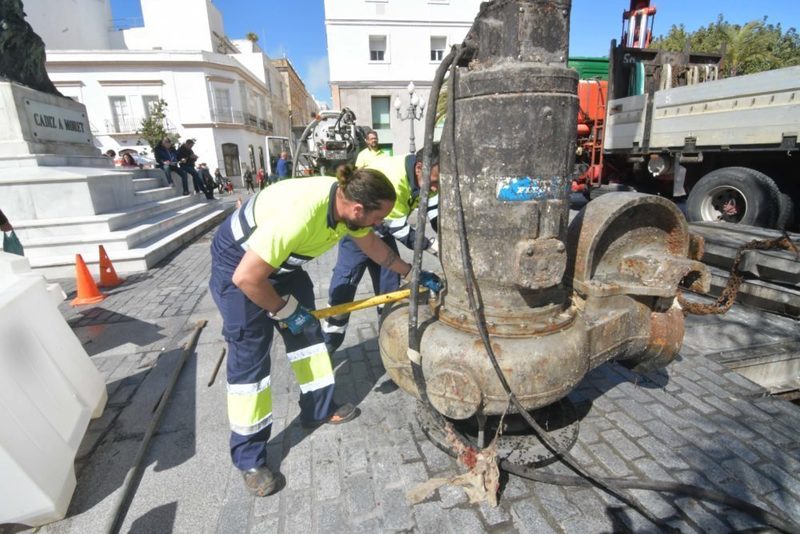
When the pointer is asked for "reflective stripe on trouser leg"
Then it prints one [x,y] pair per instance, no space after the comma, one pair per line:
[248,331]
[307,353]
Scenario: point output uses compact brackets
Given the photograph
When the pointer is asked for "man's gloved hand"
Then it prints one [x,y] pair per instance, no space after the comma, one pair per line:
[433,246]
[294,316]
[427,279]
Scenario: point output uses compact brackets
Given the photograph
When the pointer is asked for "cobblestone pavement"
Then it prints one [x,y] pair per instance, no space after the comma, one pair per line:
[695,422]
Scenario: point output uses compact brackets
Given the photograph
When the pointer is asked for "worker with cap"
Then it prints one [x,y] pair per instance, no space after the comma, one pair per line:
[371,152]
[405,173]
[257,282]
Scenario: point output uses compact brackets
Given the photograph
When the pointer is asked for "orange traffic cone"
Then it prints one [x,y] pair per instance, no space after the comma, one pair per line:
[87,289]
[108,276]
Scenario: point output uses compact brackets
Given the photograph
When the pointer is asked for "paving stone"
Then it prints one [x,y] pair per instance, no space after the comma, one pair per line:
[435,458]
[590,519]
[360,496]
[464,521]
[451,495]
[528,518]
[661,454]
[665,434]
[701,517]
[327,482]
[494,515]
[555,502]
[429,518]
[328,517]
[703,464]
[298,515]
[611,460]
[651,469]
[397,513]
[628,425]
[514,488]
[412,474]
[695,402]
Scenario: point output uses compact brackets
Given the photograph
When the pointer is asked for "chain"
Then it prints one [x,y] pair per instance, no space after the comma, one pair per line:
[729,292]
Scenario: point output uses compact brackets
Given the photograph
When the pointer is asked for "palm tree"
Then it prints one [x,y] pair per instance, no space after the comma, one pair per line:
[252,37]
[747,48]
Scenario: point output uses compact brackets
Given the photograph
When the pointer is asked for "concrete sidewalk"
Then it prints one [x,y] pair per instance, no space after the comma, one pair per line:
[695,422]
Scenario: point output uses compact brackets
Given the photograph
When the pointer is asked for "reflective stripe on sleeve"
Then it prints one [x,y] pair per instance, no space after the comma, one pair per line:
[250,407]
[396,223]
[400,233]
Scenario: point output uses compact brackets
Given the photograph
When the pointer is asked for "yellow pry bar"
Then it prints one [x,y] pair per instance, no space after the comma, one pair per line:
[377,300]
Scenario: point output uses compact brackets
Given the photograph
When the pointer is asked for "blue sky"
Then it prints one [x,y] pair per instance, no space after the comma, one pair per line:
[296,28]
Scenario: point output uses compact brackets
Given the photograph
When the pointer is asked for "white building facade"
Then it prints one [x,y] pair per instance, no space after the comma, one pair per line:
[376,47]
[224,94]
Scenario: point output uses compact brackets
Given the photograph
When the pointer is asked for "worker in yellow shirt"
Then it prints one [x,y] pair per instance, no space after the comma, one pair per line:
[367,156]
[257,281]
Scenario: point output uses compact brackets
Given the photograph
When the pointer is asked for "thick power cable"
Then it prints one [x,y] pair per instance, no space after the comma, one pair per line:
[696,492]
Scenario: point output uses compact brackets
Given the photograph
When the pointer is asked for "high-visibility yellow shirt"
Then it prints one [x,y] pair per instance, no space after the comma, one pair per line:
[367,156]
[400,171]
[292,222]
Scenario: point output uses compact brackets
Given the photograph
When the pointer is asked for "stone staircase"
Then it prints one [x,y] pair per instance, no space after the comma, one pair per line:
[140,220]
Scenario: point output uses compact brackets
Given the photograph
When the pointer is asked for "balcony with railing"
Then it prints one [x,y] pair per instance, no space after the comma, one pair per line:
[127,125]
[235,116]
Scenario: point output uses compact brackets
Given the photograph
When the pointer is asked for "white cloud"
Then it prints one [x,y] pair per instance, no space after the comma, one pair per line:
[317,78]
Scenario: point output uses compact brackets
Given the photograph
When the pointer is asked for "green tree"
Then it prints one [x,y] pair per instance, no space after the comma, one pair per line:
[154,128]
[753,47]
[252,37]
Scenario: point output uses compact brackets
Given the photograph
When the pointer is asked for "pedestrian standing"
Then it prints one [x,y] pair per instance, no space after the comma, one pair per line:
[260,180]
[256,267]
[282,167]
[248,179]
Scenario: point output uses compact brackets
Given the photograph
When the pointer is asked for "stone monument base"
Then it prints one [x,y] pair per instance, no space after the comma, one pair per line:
[40,129]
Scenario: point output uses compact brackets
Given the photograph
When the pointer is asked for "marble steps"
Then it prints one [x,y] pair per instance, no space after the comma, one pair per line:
[168,237]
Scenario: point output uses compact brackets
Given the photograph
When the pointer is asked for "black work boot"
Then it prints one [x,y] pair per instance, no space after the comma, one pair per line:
[261,482]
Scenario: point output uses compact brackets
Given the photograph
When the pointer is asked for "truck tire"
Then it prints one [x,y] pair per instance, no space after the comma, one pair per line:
[752,195]
[786,212]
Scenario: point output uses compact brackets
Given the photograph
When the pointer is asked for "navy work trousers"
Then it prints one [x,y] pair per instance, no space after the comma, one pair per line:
[249,330]
[350,266]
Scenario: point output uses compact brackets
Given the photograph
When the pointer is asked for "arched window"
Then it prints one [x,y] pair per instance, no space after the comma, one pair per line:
[252,155]
[230,156]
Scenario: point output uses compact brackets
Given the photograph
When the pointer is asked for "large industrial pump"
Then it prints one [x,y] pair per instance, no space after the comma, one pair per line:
[555,299]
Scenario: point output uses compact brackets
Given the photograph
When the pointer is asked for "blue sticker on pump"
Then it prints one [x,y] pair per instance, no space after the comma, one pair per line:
[522,188]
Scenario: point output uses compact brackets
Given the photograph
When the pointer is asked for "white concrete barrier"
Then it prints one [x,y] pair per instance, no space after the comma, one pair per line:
[49,390]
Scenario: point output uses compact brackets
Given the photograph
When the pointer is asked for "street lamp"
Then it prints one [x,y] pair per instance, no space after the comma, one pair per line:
[414,111]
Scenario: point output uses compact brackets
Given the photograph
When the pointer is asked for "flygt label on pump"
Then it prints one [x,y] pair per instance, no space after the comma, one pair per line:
[522,188]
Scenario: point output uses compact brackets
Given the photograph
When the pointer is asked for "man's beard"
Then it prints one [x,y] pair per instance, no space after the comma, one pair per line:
[353,226]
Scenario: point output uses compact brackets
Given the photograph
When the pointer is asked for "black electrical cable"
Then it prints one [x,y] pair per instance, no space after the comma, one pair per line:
[696,492]
[584,479]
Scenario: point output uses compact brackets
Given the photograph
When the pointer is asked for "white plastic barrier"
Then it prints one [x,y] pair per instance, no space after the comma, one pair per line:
[49,389]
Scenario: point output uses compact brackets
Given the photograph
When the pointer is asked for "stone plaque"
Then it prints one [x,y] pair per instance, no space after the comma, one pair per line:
[53,123]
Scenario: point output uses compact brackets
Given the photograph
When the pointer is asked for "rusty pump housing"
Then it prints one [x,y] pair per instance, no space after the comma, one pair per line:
[558,299]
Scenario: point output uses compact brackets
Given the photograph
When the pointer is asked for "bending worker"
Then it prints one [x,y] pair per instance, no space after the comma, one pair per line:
[257,257]
[405,173]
